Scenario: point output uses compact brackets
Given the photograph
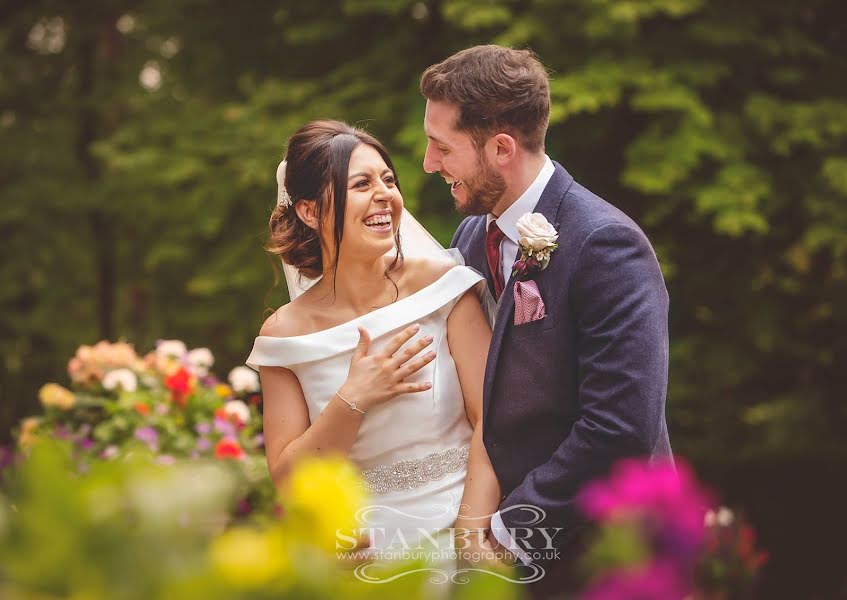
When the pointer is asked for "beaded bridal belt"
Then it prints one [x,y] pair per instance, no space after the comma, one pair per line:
[409,474]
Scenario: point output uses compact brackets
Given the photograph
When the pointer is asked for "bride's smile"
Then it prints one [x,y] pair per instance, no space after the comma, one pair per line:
[374,204]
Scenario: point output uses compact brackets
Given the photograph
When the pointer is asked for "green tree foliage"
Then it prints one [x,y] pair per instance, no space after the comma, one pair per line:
[140,141]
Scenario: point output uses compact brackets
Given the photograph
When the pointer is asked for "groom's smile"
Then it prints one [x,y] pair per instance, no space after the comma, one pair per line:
[453,183]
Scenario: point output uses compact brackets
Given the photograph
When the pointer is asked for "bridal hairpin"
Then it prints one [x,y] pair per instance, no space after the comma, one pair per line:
[283,199]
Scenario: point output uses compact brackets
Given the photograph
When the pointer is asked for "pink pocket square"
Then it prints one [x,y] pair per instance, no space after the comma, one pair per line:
[528,303]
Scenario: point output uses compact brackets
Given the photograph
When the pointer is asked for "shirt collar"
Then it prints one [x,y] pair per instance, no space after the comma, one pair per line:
[526,203]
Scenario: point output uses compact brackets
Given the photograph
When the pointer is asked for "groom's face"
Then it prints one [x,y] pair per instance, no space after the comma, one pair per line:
[475,184]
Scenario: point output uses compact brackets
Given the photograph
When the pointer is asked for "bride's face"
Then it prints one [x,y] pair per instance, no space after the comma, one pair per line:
[373,208]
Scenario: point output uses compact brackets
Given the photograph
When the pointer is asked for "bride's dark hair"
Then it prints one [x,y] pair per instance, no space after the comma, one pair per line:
[318,160]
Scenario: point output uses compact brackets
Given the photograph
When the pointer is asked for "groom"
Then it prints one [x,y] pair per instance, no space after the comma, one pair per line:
[577,371]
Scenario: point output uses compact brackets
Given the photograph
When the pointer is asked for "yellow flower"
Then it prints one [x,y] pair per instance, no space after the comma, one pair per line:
[28,427]
[223,390]
[324,494]
[53,394]
[249,558]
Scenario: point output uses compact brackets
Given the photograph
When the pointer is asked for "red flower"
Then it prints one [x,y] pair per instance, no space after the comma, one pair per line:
[180,385]
[255,399]
[746,542]
[228,448]
[759,560]
[142,408]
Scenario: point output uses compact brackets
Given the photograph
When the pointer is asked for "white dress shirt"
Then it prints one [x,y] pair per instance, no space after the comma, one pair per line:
[507,222]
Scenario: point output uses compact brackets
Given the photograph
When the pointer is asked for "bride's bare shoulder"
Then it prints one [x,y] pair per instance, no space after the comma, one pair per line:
[287,321]
[420,272]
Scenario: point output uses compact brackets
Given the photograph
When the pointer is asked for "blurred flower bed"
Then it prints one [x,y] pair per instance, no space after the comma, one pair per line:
[147,479]
[167,401]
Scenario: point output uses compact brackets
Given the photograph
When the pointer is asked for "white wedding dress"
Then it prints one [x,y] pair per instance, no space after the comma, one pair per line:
[412,450]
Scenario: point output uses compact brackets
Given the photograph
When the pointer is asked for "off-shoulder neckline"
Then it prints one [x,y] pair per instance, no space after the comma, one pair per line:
[368,315]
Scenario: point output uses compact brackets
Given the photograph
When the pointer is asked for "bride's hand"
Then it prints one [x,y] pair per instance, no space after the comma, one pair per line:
[376,378]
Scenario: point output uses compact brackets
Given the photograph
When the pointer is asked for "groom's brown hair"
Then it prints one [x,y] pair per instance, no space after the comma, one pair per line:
[496,89]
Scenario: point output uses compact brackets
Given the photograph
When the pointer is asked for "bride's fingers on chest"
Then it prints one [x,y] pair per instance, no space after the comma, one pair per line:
[410,351]
[414,366]
[401,338]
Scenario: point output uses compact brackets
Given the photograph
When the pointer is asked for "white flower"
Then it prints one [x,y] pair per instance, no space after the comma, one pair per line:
[238,409]
[725,517]
[123,378]
[200,359]
[174,348]
[709,518]
[244,379]
[536,231]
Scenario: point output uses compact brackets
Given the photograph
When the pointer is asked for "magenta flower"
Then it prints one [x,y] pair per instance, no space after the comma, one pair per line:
[667,502]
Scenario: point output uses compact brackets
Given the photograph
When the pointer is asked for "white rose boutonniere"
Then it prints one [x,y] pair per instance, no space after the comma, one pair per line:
[537,243]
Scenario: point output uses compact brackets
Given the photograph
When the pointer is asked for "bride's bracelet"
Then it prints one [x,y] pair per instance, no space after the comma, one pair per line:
[350,404]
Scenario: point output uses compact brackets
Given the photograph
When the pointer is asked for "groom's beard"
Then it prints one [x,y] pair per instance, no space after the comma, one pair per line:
[483,191]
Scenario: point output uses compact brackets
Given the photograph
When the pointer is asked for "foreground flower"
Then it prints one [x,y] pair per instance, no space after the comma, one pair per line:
[667,500]
[121,378]
[249,558]
[244,379]
[54,395]
[228,448]
[326,493]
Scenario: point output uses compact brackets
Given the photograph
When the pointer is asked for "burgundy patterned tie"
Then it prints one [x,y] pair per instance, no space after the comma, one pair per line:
[493,237]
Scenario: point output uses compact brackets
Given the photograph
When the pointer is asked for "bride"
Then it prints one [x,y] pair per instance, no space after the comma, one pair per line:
[382,358]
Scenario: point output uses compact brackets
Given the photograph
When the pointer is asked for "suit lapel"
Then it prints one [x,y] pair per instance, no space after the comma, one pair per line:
[548,205]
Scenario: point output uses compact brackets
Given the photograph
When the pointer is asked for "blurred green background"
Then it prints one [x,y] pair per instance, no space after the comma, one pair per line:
[139,141]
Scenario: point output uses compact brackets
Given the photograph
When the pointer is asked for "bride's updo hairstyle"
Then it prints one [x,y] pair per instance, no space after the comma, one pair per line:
[318,160]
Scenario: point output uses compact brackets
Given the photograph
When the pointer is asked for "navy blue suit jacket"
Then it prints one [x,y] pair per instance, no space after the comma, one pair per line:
[568,395]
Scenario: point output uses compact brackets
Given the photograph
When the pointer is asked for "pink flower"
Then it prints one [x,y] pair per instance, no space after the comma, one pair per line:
[149,436]
[667,502]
